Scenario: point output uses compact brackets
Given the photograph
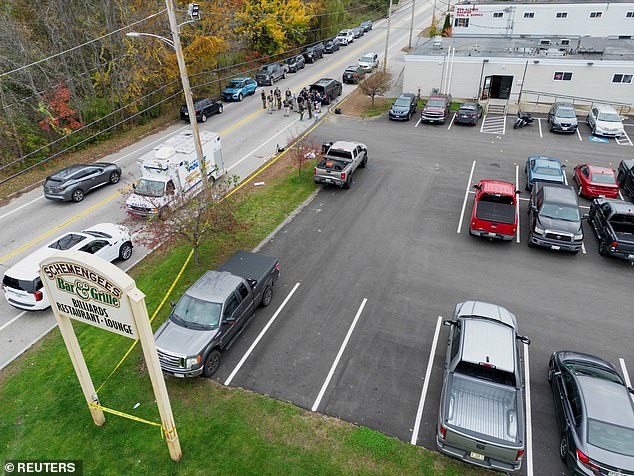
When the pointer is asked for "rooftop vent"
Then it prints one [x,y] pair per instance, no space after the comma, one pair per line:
[565,41]
[544,42]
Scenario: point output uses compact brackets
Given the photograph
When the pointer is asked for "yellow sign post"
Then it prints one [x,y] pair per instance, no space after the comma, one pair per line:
[91,290]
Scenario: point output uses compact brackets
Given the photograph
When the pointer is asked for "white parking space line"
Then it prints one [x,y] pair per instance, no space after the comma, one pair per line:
[504,125]
[21,207]
[339,354]
[259,337]
[418,122]
[483,121]
[452,119]
[529,422]
[7,324]
[423,395]
[565,179]
[621,195]
[624,139]
[583,248]
[579,135]
[466,195]
[584,206]
[493,125]
[517,205]
[626,376]
[539,122]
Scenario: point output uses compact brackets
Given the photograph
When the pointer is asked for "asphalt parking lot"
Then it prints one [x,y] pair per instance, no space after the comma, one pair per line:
[368,273]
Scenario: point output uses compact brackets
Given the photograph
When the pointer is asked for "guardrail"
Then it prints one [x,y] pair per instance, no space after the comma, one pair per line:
[621,107]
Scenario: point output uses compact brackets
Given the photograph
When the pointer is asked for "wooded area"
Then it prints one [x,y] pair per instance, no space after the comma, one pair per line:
[70,76]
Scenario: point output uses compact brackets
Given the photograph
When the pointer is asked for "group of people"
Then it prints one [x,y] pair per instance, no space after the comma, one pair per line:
[306,102]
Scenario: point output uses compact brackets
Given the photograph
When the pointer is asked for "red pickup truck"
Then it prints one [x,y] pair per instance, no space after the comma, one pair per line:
[494,212]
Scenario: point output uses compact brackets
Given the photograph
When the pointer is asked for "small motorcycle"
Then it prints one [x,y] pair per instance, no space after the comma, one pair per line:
[523,119]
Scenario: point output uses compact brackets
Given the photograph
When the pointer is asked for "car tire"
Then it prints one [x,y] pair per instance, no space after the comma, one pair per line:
[220,109]
[529,242]
[114,177]
[347,184]
[594,131]
[364,162]
[77,195]
[212,363]
[284,75]
[267,295]
[240,97]
[203,117]
[125,251]
[603,245]
[563,448]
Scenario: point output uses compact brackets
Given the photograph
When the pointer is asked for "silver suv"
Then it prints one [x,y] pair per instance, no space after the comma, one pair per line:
[562,117]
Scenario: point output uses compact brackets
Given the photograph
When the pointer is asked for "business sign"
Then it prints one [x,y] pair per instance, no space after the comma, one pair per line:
[467,12]
[84,293]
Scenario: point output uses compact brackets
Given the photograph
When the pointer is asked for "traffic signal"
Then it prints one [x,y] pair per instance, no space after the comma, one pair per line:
[194,11]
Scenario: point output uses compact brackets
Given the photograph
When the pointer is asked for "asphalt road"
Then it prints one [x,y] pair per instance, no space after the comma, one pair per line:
[373,268]
[249,138]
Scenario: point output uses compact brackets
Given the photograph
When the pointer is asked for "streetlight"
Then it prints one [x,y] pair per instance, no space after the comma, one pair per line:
[175,44]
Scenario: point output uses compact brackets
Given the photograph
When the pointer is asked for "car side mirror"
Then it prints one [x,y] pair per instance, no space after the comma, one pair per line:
[524,340]
[229,321]
[449,322]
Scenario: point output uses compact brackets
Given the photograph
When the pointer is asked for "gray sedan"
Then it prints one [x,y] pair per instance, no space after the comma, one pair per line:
[72,183]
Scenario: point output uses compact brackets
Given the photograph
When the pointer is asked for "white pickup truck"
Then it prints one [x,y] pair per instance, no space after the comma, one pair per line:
[339,162]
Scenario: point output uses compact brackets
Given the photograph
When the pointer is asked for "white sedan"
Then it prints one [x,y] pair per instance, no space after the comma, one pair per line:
[22,284]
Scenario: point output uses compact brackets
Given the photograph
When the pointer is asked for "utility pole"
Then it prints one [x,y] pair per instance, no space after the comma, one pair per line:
[187,92]
[387,36]
[411,24]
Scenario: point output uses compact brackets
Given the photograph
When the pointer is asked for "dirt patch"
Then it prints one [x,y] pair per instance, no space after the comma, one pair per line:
[359,105]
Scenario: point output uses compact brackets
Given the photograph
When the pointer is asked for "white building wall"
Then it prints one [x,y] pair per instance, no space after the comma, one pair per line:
[532,19]
[588,81]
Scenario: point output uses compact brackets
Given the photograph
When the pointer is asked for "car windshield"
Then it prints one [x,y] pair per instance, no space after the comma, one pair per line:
[607,179]
[583,368]
[566,113]
[149,188]
[548,171]
[609,117]
[197,313]
[436,103]
[291,61]
[468,107]
[66,242]
[610,437]
[402,102]
[366,59]
[559,212]
[267,69]
[235,84]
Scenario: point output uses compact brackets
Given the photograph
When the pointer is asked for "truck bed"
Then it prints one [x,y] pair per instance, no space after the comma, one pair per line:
[496,212]
[481,407]
[250,266]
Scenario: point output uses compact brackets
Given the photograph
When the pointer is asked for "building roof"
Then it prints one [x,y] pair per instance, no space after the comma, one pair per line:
[580,48]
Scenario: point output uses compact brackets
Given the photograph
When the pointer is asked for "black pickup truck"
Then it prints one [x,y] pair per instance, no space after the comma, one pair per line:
[613,222]
[213,312]
[625,177]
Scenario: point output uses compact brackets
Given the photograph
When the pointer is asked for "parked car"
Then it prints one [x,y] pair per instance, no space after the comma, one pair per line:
[605,121]
[295,63]
[469,113]
[436,108]
[495,209]
[75,181]
[353,74]
[345,37]
[366,25]
[213,312]
[554,219]
[543,169]
[238,88]
[481,419]
[626,177]
[358,32]
[404,107]
[613,223]
[332,45]
[204,108]
[341,159]
[270,73]
[595,181]
[369,61]
[595,414]
[21,282]
[314,52]
[562,117]
[328,89]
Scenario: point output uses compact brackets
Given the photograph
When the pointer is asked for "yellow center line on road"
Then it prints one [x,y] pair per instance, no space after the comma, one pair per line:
[221,133]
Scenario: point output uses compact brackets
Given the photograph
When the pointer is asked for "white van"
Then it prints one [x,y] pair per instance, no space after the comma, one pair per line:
[345,37]
[369,61]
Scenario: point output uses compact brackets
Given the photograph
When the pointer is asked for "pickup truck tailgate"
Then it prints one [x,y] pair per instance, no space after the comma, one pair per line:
[251,265]
[496,212]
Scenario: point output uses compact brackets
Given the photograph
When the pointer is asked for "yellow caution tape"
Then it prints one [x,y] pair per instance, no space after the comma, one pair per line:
[131,417]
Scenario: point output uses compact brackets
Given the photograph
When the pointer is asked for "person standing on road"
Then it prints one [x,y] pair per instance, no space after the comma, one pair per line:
[293,103]
[288,95]
[278,98]
[263,96]
[271,99]
[300,106]
[309,106]
[287,107]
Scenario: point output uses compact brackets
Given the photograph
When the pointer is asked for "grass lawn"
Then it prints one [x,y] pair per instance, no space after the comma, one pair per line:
[222,430]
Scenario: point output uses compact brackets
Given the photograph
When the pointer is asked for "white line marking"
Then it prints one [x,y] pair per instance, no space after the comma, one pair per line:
[529,423]
[466,195]
[539,122]
[621,195]
[27,347]
[584,206]
[565,179]
[452,119]
[420,119]
[423,394]
[504,125]
[583,248]
[517,204]
[626,376]
[484,119]
[7,324]
[579,135]
[260,146]
[525,199]
[21,207]
[339,354]
[259,337]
